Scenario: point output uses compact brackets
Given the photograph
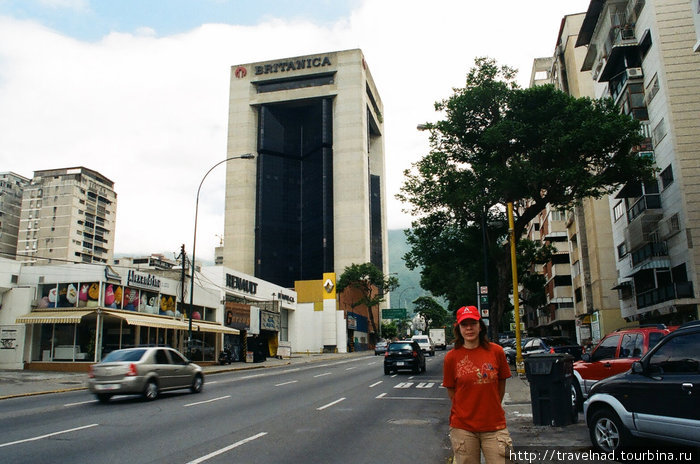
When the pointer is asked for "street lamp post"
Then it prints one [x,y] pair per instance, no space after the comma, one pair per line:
[194,245]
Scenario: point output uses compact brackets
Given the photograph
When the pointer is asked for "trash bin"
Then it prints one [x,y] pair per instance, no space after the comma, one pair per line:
[550,389]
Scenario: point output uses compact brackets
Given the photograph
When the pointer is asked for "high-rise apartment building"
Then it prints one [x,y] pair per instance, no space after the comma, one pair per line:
[589,226]
[68,215]
[11,188]
[313,200]
[641,54]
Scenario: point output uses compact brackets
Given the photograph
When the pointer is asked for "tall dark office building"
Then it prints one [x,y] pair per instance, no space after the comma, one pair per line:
[313,200]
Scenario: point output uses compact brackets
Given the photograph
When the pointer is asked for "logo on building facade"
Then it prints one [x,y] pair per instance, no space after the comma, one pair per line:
[328,285]
[243,285]
[293,65]
[240,72]
[147,281]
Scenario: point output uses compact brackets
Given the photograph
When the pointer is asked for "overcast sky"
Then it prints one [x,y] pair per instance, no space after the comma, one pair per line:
[138,89]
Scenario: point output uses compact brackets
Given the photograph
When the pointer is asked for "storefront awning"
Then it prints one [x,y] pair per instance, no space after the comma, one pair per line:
[52,317]
[214,327]
[149,320]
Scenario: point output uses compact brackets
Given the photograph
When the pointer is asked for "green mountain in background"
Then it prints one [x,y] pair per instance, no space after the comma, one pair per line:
[409,281]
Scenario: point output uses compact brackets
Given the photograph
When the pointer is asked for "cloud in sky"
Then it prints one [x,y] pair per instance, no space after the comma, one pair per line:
[149,111]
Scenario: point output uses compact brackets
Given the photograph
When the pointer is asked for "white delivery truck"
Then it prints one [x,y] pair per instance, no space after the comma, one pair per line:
[438,338]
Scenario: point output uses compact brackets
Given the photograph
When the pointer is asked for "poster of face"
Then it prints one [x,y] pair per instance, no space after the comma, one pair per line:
[168,306]
[49,294]
[67,295]
[89,294]
[113,296]
[148,302]
[131,299]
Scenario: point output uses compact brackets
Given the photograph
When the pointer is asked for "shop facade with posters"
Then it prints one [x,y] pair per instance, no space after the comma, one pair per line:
[258,309]
[70,315]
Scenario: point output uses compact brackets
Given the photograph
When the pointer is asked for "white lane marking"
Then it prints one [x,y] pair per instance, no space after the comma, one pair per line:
[351,368]
[330,404]
[372,363]
[381,396]
[47,435]
[412,398]
[82,402]
[286,383]
[208,401]
[321,375]
[375,384]
[228,448]
[211,382]
[394,375]
[425,385]
[403,385]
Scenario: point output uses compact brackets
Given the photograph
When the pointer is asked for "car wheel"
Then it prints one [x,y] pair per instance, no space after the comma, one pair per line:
[103,397]
[576,395]
[417,369]
[387,371]
[422,369]
[607,432]
[197,384]
[150,393]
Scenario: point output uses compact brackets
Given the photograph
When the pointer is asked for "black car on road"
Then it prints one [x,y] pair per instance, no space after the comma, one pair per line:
[404,355]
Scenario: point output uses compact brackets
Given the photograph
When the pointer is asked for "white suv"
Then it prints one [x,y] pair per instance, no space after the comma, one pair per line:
[425,343]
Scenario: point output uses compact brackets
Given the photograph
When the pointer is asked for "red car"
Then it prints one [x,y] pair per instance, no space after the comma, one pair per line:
[613,355]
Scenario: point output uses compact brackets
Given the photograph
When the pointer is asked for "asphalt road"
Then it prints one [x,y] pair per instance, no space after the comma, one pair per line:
[344,411]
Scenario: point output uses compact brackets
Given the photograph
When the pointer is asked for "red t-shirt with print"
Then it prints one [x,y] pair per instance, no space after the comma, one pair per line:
[474,374]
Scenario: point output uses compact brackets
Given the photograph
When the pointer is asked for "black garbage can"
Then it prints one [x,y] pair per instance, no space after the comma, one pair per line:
[550,378]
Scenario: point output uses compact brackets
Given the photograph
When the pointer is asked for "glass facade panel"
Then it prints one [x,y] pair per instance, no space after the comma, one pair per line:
[294,211]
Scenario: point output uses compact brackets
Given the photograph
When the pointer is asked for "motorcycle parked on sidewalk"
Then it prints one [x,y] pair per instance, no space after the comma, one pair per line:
[226,356]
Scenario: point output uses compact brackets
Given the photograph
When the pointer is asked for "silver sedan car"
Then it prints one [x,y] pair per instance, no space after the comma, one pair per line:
[143,371]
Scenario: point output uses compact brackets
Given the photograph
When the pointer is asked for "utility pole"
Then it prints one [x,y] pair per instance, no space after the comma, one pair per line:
[183,260]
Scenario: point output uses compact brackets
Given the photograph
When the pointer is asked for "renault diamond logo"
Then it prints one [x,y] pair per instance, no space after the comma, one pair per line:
[328,285]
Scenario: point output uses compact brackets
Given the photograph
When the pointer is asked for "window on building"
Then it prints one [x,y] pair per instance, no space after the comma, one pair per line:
[619,210]
[659,132]
[652,88]
[621,250]
[667,177]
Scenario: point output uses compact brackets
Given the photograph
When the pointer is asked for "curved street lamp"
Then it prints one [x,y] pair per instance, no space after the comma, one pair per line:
[194,244]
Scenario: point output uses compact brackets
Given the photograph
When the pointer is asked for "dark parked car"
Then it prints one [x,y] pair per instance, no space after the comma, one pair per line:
[538,345]
[658,399]
[143,371]
[404,355]
[615,354]
[509,349]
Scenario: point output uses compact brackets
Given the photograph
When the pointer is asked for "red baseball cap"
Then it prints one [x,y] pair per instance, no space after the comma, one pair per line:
[467,312]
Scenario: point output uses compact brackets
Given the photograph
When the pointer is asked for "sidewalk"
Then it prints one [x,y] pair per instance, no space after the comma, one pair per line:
[522,429]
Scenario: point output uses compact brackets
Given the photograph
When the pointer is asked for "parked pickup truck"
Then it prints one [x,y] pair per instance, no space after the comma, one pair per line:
[438,338]
[552,345]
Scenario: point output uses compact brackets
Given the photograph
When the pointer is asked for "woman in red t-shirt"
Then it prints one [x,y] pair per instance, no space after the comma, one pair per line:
[474,375]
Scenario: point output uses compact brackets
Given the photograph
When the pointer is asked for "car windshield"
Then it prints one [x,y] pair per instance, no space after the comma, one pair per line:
[124,355]
[400,347]
[421,339]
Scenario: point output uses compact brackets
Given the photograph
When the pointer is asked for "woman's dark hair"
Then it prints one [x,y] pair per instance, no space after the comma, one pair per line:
[483,335]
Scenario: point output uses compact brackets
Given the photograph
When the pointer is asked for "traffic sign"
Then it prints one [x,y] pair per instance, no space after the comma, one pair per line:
[394,313]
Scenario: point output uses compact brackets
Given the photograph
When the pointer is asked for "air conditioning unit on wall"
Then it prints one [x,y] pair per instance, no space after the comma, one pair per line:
[634,72]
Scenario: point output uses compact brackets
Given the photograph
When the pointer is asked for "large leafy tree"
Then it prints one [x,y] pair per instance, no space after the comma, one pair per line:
[371,284]
[434,314]
[496,143]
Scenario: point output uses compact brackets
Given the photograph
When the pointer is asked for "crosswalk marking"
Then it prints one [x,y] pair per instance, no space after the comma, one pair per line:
[403,385]
[425,385]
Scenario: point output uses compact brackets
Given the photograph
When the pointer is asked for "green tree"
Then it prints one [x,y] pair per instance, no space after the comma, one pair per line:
[435,315]
[389,330]
[495,144]
[372,284]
